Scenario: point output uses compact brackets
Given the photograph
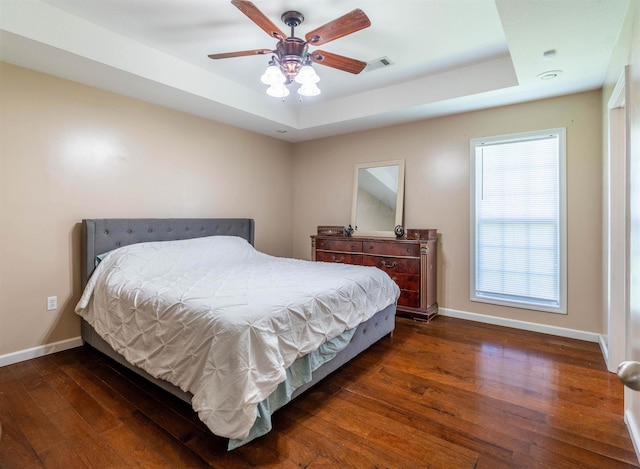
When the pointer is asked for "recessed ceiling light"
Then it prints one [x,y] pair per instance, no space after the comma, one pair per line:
[549,54]
[550,74]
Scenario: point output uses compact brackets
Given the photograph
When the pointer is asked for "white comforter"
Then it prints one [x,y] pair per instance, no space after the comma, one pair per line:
[222,320]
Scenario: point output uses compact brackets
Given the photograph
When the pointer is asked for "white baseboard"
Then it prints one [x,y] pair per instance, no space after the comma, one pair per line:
[524,325]
[605,350]
[40,351]
[634,431]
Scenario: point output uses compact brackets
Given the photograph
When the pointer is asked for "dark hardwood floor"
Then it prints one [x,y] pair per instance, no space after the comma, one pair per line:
[448,394]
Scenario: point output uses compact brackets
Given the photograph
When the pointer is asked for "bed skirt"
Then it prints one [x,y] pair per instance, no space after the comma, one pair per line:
[367,333]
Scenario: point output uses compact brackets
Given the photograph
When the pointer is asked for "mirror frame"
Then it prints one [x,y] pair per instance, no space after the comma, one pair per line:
[399,198]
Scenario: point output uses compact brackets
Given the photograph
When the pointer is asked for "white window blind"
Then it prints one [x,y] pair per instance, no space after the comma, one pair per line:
[518,220]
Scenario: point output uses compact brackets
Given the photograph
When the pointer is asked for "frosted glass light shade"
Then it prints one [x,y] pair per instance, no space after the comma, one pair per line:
[278,90]
[307,75]
[272,76]
[309,90]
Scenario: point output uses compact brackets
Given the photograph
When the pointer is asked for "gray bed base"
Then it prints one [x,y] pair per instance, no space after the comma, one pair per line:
[103,235]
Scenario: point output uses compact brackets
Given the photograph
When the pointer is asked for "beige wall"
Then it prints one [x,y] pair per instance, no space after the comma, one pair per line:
[436,152]
[68,152]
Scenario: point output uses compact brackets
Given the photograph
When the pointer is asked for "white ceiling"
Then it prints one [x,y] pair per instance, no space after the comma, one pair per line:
[448,56]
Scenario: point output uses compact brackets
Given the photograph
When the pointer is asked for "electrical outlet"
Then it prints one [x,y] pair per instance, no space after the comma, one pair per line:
[52,303]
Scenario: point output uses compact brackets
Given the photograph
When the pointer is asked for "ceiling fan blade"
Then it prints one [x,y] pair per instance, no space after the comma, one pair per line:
[255,15]
[242,53]
[346,24]
[337,61]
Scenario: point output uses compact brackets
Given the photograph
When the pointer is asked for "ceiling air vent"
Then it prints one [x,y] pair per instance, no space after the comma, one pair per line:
[378,63]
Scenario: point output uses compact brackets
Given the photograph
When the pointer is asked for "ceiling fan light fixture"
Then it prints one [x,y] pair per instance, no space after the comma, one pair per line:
[307,75]
[272,75]
[282,72]
[309,89]
[278,90]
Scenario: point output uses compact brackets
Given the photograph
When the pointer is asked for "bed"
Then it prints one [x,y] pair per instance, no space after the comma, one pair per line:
[120,248]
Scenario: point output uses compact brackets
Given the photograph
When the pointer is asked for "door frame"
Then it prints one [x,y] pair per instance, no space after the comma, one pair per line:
[617,226]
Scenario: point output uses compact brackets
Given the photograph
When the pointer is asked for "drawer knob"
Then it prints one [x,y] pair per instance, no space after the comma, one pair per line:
[387,265]
[338,260]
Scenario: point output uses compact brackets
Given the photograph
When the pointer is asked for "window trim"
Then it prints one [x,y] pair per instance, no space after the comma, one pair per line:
[562,168]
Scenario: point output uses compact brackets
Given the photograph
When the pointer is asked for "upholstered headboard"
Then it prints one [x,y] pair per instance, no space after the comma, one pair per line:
[102,235]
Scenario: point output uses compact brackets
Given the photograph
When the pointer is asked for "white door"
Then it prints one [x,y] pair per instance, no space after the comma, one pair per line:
[632,398]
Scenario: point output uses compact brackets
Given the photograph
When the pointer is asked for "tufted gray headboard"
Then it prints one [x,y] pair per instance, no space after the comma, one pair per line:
[101,235]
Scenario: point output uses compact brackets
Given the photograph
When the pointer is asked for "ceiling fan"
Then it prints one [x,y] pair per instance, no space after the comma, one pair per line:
[291,54]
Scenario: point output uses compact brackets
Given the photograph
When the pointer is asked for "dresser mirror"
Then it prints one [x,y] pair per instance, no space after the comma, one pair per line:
[378,197]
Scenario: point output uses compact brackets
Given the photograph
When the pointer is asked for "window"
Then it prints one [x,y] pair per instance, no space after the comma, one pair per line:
[518,220]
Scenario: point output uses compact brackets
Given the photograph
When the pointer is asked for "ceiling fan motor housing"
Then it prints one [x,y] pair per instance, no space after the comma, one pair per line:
[292,52]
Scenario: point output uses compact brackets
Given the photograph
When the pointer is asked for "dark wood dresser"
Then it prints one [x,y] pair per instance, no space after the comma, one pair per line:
[411,263]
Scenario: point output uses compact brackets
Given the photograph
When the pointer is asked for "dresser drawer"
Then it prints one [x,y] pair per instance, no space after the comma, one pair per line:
[391,249]
[409,298]
[339,245]
[340,257]
[406,282]
[394,265]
